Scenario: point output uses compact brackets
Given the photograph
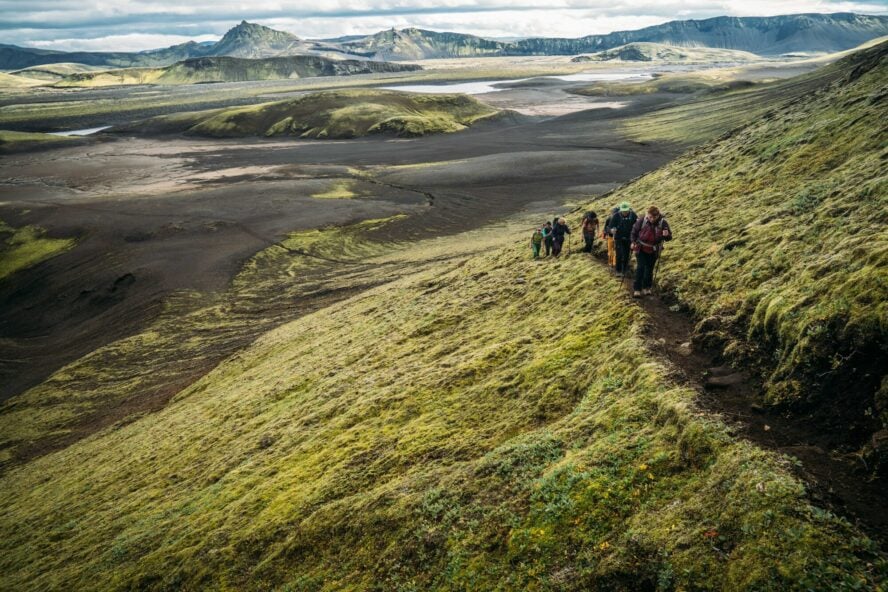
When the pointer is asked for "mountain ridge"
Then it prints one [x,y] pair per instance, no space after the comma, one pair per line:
[810,32]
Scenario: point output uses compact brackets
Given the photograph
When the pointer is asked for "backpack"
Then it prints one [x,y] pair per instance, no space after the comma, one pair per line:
[650,235]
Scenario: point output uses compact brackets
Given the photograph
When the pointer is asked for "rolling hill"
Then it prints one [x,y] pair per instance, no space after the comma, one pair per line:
[482,421]
[419,44]
[658,52]
[228,69]
[328,115]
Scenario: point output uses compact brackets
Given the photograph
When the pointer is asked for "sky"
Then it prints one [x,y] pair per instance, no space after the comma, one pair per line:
[132,25]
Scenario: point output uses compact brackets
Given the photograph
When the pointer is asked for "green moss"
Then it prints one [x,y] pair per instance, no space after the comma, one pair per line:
[24,247]
[332,114]
[19,141]
[439,431]
[778,240]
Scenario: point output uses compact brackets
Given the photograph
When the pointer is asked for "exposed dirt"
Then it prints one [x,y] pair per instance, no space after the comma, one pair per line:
[835,479]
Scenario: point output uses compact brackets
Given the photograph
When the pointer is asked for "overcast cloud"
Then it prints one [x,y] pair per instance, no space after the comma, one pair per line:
[145,24]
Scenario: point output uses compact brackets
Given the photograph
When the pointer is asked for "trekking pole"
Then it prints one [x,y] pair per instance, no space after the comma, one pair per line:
[656,268]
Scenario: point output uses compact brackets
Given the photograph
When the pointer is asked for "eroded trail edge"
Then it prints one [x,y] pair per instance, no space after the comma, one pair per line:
[839,481]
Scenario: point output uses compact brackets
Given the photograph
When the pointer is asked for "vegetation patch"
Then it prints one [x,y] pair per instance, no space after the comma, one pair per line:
[23,247]
[330,115]
[658,52]
[783,254]
[22,141]
[438,432]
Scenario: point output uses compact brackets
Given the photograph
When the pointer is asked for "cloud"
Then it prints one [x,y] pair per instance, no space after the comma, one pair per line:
[126,42]
[132,24]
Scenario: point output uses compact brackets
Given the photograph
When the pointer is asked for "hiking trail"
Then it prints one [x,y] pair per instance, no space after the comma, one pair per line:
[840,482]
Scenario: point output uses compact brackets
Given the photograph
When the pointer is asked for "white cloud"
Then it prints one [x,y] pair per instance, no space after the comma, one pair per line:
[127,42]
[140,24]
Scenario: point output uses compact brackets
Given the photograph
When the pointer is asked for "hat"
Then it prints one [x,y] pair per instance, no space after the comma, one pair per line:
[624,207]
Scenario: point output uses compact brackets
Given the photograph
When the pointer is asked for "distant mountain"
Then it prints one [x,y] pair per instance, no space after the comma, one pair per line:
[246,40]
[658,52]
[13,57]
[417,44]
[765,36]
[760,35]
[228,69]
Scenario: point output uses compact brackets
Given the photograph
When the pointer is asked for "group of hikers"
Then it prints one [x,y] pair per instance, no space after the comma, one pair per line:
[624,231]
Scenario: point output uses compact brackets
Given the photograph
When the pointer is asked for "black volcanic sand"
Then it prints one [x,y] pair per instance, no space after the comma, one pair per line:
[157,216]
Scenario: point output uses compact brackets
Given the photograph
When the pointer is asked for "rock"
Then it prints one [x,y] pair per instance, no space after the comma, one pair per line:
[756,408]
[720,371]
[685,349]
[520,280]
[767,428]
[725,381]
[675,307]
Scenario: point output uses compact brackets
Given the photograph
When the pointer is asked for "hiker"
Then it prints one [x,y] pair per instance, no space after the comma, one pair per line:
[590,229]
[648,235]
[536,242]
[547,237]
[620,226]
[606,235]
[558,231]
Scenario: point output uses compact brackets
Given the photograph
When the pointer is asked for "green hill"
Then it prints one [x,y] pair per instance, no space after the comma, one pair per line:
[227,69]
[480,421]
[784,254]
[330,114]
[657,52]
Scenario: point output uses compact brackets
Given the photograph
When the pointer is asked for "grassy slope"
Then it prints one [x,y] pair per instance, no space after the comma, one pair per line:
[332,114]
[23,247]
[228,69]
[703,120]
[62,114]
[455,429]
[658,52]
[11,82]
[782,241]
[18,141]
[674,83]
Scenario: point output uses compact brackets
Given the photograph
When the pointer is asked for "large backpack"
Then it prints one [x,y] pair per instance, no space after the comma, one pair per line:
[650,235]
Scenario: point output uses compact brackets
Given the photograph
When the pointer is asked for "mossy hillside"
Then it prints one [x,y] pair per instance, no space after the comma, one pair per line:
[23,247]
[487,422]
[334,114]
[95,111]
[309,269]
[11,142]
[231,69]
[659,52]
[726,102]
[781,245]
[676,84]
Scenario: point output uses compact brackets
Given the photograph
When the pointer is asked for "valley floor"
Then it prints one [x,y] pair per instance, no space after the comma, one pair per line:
[233,352]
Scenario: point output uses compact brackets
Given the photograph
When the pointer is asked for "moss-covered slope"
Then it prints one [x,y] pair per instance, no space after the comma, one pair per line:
[229,69]
[783,249]
[487,423]
[330,114]
[659,52]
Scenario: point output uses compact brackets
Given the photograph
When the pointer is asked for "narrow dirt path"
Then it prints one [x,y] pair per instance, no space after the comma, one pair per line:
[840,482]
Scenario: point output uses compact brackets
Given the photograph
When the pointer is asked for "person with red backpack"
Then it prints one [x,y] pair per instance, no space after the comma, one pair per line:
[648,235]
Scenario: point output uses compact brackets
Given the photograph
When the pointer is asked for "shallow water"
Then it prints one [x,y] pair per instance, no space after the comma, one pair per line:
[487,86]
[81,132]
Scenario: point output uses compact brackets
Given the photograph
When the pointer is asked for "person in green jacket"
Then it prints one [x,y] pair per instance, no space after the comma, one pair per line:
[536,242]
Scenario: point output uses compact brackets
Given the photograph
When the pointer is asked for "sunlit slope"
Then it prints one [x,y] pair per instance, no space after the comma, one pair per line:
[783,247]
[230,69]
[330,114]
[486,423]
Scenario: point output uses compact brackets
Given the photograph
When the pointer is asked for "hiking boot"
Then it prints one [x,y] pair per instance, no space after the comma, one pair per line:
[636,294]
